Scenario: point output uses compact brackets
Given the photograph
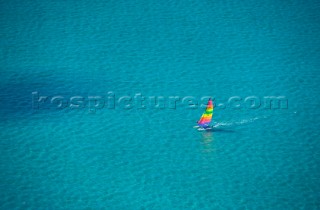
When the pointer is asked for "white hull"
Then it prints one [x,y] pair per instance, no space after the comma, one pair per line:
[205,129]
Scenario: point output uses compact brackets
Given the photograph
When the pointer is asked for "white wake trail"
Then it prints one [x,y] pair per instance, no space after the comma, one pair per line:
[241,122]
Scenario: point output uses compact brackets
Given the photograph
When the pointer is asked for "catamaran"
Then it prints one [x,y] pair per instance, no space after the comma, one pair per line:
[204,122]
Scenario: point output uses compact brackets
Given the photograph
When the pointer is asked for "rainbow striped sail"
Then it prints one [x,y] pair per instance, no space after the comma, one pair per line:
[207,115]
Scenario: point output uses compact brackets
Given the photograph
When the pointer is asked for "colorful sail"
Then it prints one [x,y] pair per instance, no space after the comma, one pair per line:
[207,115]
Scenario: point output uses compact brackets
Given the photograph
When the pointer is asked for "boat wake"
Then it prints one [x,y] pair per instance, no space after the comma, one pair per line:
[241,122]
[226,125]
[205,121]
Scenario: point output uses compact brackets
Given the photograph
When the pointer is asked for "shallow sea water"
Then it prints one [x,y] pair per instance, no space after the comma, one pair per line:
[152,158]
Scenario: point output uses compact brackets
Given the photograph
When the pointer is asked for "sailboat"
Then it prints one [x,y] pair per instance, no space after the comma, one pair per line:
[204,122]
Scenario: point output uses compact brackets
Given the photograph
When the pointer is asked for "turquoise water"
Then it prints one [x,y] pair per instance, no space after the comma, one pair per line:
[153,158]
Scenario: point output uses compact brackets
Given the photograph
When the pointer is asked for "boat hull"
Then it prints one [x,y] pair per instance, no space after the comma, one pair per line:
[205,129]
